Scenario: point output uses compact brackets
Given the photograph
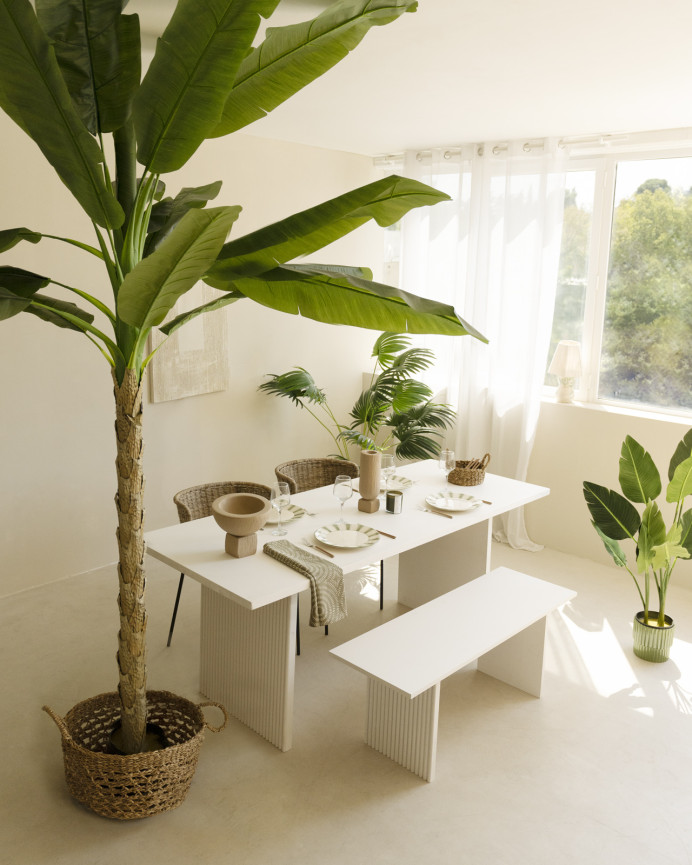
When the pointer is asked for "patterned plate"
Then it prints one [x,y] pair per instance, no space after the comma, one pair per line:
[397,482]
[353,536]
[288,513]
[452,501]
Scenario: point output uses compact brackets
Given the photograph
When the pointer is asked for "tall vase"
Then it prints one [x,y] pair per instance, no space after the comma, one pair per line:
[369,481]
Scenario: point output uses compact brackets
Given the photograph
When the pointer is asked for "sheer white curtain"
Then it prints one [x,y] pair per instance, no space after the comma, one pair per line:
[492,252]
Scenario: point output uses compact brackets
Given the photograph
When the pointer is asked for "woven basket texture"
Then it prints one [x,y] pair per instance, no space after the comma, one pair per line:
[309,474]
[137,785]
[469,473]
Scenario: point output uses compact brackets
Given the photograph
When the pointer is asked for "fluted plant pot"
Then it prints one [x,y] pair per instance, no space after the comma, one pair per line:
[651,641]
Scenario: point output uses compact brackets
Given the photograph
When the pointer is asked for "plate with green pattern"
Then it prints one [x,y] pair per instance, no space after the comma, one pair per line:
[451,501]
[288,514]
[351,536]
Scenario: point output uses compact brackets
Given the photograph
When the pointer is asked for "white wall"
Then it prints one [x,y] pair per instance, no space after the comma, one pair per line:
[576,444]
[57,479]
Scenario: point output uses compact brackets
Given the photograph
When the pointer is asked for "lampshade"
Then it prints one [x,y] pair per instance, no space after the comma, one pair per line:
[566,362]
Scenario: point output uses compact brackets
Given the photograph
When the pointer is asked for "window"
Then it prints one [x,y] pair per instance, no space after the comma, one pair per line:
[625,281]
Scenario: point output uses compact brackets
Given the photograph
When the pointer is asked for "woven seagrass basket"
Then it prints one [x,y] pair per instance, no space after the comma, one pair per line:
[137,785]
[469,473]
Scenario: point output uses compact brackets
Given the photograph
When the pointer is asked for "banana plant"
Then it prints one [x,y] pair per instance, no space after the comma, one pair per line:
[615,518]
[394,407]
[70,77]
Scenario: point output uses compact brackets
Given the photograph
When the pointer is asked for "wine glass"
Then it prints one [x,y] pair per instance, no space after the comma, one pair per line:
[280,496]
[343,490]
[447,461]
[387,468]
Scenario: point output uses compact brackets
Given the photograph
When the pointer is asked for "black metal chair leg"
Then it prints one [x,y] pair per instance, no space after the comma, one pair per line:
[175,608]
[381,583]
[326,630]
[297,626]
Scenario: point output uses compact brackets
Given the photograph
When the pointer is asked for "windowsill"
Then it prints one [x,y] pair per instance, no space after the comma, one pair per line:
[623,410]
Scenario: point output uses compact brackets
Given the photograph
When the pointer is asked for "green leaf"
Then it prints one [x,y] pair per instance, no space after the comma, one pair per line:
[417,443]
[686,531]
[385,201]
[12,236]
[293,56]
[408,394]
[613,548]
[672,548]
[51,307]
[33,93]
[11,303]
[652,534]
[681,485]
[185,88]
[151,288]
[352,301]
[177,322]
[639,477]
[387,346]
[297,385]
[612,513]
[167,213]
[412,361]
[682,452]
[21,282]
[98,51]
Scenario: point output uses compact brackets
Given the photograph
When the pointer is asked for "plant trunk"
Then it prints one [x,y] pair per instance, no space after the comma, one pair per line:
[130,506]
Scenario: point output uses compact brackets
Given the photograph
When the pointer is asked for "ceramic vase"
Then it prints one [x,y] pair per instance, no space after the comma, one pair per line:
[652,642]
[369,481]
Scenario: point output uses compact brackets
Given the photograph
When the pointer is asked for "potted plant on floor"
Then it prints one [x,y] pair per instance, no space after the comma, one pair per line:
[657,549]
[70,77]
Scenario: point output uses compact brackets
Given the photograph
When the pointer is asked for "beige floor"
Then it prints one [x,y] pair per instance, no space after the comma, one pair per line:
[599,770]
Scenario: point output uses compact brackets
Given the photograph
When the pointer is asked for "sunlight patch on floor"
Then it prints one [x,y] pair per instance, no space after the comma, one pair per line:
[603,658]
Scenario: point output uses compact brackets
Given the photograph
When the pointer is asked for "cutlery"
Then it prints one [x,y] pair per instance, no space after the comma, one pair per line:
[439,513]
[386,534]
[319,549]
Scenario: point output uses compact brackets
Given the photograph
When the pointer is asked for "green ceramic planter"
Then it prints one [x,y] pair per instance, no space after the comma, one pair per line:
[651,642]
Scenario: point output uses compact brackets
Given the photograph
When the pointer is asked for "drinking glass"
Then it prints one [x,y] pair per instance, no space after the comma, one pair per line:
[447,461]
[343,490]
[280,497]
[387,468]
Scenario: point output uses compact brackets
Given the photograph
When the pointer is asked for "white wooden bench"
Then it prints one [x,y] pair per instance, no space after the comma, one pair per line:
[498,619]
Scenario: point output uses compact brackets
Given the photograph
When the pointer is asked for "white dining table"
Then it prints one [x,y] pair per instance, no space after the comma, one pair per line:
[248,605]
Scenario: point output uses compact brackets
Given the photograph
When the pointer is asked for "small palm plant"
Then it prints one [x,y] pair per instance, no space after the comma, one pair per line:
[395,407]
[657,549]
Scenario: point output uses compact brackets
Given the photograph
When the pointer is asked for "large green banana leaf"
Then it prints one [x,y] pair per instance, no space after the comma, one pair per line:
[168,212]
[55,311]
[338,299]
[682,452]
[681,485]
[612,513]
[34,94]
[293,56]
[385,201]
[652,533]
[12,236]
[98,51]
[185,88]
[152,287]
[639,477]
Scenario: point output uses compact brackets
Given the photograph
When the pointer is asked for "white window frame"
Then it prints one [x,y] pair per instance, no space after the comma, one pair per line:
[602,157]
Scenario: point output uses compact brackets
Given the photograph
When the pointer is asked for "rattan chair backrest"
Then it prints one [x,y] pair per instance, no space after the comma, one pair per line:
[195,502]
[308,474]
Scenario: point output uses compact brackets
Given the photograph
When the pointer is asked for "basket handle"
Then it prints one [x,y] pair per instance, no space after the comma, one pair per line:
[218,706]
[62,726]
[485,461]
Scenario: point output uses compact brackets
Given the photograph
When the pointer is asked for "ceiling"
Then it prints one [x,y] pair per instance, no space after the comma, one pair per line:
[456,72]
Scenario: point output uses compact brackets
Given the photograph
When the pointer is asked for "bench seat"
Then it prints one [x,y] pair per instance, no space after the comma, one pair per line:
[497,619]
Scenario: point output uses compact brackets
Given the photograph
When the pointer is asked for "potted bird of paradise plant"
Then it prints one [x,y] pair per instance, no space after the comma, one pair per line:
[657,548]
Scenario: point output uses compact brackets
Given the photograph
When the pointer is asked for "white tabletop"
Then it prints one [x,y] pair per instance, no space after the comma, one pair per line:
[197,548]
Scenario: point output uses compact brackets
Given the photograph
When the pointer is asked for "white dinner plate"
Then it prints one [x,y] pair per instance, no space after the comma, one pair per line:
[288,513]
[397,482]
[353,536]
[452,501]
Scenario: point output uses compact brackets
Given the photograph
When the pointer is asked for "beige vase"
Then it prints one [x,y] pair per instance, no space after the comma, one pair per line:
[369,481]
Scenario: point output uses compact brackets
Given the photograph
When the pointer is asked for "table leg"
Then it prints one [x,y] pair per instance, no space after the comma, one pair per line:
[435,568]
[404,729]
[247,663]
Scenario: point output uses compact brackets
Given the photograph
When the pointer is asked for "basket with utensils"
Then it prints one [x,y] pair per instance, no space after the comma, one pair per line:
[469,473]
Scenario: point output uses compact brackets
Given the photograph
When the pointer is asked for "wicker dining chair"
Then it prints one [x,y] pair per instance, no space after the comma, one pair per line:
[194,503]
[308,474]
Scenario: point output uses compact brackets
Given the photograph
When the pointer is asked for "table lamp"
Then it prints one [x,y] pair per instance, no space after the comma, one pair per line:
[566,365]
